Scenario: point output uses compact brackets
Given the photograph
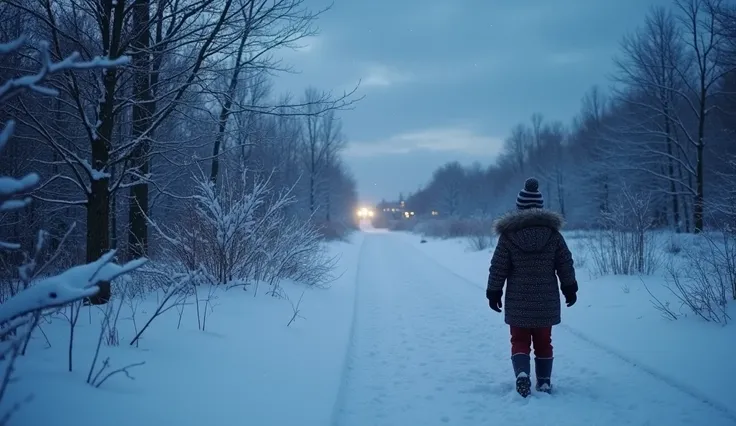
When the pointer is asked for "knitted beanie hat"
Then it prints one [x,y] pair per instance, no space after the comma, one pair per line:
[530,197]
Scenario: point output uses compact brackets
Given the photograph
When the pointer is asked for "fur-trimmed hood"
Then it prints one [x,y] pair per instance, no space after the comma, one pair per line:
[530,229]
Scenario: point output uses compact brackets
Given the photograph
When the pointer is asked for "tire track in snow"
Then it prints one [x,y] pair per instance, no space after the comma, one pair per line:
[340,400]
[403,369]
[667,380]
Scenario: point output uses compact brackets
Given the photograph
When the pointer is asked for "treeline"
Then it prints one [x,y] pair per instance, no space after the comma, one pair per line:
[122,149]
[661,139]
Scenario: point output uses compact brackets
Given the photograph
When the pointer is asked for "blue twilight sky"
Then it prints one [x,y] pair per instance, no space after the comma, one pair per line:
[446,80]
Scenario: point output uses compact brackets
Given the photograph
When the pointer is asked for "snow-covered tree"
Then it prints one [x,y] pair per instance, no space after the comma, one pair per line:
[38,290]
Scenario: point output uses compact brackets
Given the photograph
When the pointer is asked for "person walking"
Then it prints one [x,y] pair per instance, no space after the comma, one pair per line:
[530,256]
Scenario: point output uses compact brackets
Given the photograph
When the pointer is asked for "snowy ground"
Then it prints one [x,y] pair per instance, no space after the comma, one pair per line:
[403,337]
[247,368]
[427,350]
[615,314]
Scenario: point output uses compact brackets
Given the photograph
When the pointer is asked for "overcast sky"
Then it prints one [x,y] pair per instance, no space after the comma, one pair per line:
[446,80]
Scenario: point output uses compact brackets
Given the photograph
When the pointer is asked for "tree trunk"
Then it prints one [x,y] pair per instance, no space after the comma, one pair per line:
[312,172]
[328,201]
[311,192]
[114,216]
[671,173]
[689,207]
[698,207]
[227,106]
[142,116]
[560,192]
[98,200]
[98,232]
[683,200]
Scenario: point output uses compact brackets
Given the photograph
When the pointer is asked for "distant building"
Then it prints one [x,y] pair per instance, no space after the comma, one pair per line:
[394,209]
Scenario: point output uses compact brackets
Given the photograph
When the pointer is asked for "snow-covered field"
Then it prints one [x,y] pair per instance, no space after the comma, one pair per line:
[403,337]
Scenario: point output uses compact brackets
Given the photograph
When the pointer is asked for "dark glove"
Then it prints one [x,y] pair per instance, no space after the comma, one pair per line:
[494,300]
[570,297]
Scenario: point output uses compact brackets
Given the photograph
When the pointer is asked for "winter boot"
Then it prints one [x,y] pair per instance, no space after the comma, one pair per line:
[543,369]
[522,369]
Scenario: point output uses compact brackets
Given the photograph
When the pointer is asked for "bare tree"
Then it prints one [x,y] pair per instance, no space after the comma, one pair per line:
[517,145]
[21,313]
[648,65]
[310,137]
[705,43]
[139,130]
[67,25]
[267,26]
[322,140]
[333,142]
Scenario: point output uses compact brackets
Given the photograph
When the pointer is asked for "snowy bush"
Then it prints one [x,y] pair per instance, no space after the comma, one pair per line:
[437,228]
[36,292]
[455,227]
[625,245]
[481,234]
[240,234]
[480,242]
[335,230]
[401,224]
[477,230]
[174,295]
[296,253]
[579,253]
[706,280]
[674,245]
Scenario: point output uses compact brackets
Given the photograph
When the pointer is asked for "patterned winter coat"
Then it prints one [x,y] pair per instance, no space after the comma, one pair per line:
[529,252]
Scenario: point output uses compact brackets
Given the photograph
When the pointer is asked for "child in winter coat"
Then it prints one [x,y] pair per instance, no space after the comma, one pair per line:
[529,257]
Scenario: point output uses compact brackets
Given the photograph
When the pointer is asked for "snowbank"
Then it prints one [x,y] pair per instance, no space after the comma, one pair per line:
[248,367]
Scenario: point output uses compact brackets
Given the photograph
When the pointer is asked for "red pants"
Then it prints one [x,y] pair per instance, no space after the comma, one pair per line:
[522,338]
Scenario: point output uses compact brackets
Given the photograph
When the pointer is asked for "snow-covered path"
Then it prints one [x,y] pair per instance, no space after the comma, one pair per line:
[426,350]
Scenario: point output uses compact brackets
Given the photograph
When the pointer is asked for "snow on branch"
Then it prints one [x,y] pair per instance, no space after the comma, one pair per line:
[6,48]
[22,312]
[33,82]
[11,188]
[69,286]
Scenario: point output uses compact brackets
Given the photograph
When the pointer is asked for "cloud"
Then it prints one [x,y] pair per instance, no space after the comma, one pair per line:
[567,58]
[379,75]
[434,14]
[302,51]
[308,44]
[448,139]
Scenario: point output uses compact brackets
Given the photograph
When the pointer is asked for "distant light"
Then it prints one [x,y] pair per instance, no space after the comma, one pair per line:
[365,212]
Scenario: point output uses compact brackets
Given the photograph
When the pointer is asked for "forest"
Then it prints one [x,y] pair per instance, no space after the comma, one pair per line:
[183,153]
[658,141]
